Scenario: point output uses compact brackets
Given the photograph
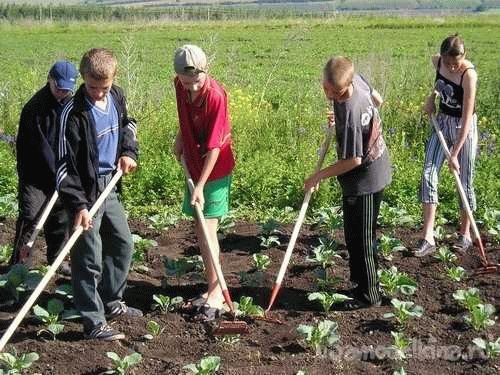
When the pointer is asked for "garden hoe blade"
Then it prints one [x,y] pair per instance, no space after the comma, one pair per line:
[487,266]
[225,327]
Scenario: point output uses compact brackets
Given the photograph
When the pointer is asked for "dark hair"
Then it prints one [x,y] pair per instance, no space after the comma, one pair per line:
[452,46]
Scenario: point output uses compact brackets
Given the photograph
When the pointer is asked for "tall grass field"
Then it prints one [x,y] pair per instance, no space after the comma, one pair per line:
[271,70]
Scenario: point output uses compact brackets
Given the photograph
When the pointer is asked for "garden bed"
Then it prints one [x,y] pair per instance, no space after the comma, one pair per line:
[273,348]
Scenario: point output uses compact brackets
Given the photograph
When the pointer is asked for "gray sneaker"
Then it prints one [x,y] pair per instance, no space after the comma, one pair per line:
[424,248]
[463,244]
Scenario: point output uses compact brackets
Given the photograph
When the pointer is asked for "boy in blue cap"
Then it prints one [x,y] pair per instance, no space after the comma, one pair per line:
[36,150]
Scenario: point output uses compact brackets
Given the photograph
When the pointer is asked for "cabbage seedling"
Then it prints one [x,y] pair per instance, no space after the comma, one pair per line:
[327,300]
[320,337]
[490,348]
[122,364]
[403,311]
[16,364]
[207,366]
[165,303]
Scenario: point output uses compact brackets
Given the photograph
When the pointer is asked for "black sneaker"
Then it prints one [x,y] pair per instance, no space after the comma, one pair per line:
[463,244]
[103,332]
[121,309]
[424,248]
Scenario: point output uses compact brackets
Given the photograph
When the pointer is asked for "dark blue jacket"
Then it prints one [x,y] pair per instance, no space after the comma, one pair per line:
[78,156]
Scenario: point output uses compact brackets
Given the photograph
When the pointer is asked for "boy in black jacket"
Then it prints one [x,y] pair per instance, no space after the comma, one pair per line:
[96,138]
[36,148]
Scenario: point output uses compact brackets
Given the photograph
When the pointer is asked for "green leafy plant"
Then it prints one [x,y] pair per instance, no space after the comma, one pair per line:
[122,365]
[207,366]
[270,227]
[65,290]
[228,339]
[439,233]
[400,345]
[491,221]
[246,308]
[394,216]
[392,282]
[8,206]
[490,348]
[268,241]
[141,248]
[446,256]
[328,282]
[166,303]
[327,300]
[154,328]
[320,337]
[403,311]
[329,218]
[19,279]
[467,298]
[301,372]
[15,363]
[261,261]
[455,273]
[5,253]
[163,220]
[401,371]
[53,316]
[226,224]
[181,266]
[481,316]
[388,246]
[325,253]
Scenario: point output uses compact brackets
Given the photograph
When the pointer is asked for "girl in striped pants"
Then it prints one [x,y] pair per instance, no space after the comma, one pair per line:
[455,84]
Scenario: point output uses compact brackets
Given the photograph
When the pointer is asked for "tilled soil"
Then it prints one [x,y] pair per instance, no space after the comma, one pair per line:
[442,341]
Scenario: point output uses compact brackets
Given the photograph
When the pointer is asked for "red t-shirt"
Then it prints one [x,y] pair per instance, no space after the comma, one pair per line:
[205,126]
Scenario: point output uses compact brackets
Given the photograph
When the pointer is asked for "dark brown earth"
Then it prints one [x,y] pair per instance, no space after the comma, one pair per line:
[271,348]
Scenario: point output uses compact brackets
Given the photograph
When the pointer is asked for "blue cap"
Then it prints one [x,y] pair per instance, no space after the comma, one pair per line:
[64,74]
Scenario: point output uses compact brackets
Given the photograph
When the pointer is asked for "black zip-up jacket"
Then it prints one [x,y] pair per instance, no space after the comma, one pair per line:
[78,156]
[36,143]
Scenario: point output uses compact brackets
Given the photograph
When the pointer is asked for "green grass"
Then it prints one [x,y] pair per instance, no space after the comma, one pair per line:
[271,70]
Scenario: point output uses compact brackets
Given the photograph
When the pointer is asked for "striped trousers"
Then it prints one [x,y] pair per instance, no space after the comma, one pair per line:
[434,158]
[360,221]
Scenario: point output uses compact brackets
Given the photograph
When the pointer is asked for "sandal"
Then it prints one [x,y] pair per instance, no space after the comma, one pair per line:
[194,304]
[207,313]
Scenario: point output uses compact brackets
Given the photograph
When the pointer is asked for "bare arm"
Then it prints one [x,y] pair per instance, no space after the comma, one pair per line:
[469,85]
[336,169]
[377,98]
[430,103]
[208,165]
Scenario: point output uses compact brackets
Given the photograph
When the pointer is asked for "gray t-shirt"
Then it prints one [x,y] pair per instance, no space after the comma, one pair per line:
[359,134]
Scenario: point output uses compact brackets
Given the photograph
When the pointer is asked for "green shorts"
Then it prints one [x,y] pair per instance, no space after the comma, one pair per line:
[216,195]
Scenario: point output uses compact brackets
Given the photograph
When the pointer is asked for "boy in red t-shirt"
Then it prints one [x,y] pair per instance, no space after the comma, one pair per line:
[204,140]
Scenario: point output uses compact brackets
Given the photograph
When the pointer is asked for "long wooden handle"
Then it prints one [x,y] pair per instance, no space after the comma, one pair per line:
[57,262]
[299,222]
[45,214]
[208,239]
[458,183]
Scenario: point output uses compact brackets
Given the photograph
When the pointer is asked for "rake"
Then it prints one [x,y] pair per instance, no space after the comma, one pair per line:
[225,327]
[298,223]
[487,266]
[55,265]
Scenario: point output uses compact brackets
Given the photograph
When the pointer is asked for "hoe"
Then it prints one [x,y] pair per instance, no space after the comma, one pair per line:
[225,327]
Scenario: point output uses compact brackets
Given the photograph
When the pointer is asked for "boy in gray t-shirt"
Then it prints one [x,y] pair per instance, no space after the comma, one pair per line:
[363,171]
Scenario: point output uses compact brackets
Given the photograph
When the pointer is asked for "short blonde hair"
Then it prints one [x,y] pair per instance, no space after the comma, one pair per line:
[338,71]
[100,63]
